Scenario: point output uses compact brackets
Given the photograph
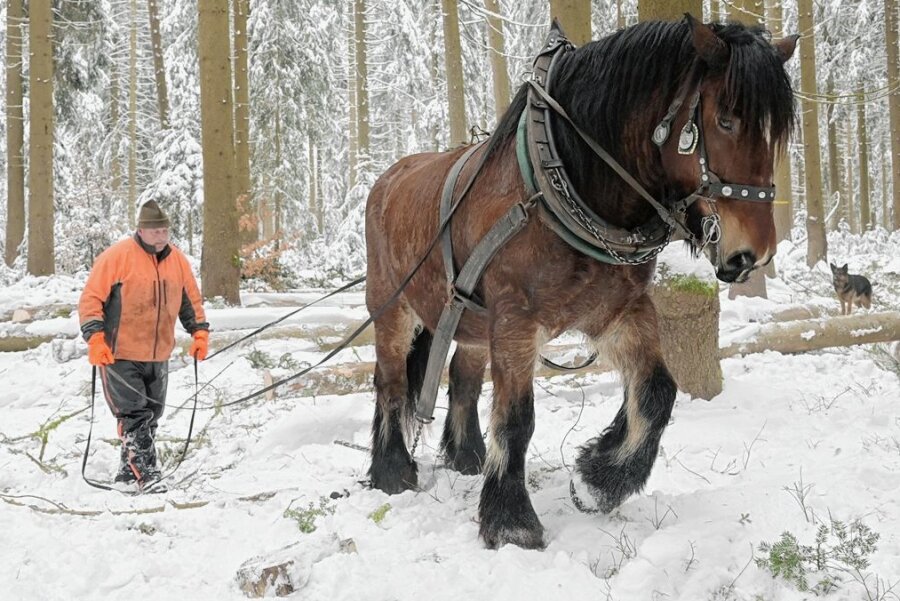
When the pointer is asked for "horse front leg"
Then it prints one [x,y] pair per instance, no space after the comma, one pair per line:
[462,441]
[617,463]
[506,513]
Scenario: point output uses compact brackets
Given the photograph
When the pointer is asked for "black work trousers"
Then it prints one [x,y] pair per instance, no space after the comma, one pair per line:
[136,393]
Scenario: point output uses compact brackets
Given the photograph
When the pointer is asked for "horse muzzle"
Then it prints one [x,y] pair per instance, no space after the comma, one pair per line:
[737,267]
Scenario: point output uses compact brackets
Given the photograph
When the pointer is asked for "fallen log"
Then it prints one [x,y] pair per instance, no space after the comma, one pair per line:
[815,334]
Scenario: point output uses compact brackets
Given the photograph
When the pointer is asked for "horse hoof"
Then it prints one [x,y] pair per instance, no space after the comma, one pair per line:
[509,518]
[589,499]
[527,536]
[465,462]
[394,479]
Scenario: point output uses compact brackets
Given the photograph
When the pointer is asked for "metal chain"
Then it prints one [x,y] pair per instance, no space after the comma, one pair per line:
[560,186]
[412,452]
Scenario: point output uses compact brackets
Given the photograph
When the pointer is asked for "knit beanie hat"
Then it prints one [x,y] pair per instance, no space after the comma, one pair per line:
[151,216]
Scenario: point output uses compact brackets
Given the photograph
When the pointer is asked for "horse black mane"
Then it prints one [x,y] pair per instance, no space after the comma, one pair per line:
[641,68]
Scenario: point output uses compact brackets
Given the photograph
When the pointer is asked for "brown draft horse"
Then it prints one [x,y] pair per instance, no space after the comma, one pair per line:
[616,89]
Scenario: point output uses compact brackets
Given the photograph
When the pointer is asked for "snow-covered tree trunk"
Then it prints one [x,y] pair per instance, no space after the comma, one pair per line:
[159,67]
[817,245]
[353,141]
[132,115]
[220,270]
[249,225]
[834,161]
[41,260]
[865,207]
[850,205]
[361,79]
[15,133]
[893,71]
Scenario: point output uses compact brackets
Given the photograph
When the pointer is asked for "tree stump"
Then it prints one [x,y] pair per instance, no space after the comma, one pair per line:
[686,296]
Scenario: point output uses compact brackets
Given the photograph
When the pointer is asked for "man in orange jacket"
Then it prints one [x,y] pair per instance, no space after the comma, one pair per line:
[136,289]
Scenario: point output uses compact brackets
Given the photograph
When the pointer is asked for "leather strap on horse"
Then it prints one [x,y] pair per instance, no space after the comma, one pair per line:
[461,291]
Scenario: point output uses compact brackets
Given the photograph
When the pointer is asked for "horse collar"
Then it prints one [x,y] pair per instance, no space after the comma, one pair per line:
[561,208]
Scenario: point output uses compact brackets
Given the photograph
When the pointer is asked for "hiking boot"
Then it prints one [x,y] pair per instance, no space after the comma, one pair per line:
[139,456]
[125,473]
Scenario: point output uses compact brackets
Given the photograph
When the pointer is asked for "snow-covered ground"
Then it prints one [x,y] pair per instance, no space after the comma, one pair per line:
[790,441]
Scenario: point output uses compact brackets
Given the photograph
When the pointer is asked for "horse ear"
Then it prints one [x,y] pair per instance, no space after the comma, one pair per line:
[833,267]
[557,27]
[844,268]
[786,46]
[711,49]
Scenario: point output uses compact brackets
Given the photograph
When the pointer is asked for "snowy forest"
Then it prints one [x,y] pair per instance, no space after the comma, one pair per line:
[326,95]
[260,127]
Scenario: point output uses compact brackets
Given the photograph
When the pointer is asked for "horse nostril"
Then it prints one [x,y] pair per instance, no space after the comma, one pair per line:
[741,261]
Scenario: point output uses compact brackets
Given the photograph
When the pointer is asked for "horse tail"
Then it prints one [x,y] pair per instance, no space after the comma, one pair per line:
[416,362]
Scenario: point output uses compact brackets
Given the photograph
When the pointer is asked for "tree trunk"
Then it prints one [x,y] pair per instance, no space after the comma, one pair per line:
[689,335]
[499,69]
[834,176]
[314,199]
[362,81]
[893,72]
[814,334]
[620,15]
[574,17]
[865,208]
[715,11]
[40,132]
[15,133]
[219,267]
[456,97]
[885,197]
[115,166]
[850,204]
[159,67]
[351,97]
[817,245]
[132,116]
[784,202]
[249,223]
[668,10]
[275,214]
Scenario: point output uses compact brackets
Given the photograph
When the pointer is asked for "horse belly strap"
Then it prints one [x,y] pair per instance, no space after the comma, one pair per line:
[461,291]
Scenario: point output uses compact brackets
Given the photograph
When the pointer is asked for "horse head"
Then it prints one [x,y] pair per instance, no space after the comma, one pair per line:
[736,117]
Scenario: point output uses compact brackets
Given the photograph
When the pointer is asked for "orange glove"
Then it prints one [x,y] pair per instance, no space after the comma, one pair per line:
[200,346]
[99,352]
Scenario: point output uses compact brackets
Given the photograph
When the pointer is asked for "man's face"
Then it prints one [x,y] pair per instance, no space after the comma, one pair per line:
[156,237]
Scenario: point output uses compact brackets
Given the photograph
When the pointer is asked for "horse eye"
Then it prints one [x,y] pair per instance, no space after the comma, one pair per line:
[726,123]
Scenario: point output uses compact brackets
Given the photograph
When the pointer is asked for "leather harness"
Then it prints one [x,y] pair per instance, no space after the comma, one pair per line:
[552,196]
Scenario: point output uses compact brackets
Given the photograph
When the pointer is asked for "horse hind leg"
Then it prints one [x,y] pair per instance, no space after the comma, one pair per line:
[462,441]
[617,463]
[400,359]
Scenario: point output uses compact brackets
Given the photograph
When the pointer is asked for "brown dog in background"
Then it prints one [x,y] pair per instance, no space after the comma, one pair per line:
[850,289]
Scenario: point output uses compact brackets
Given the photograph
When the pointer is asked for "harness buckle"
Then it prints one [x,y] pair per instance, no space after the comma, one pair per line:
[468,302]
